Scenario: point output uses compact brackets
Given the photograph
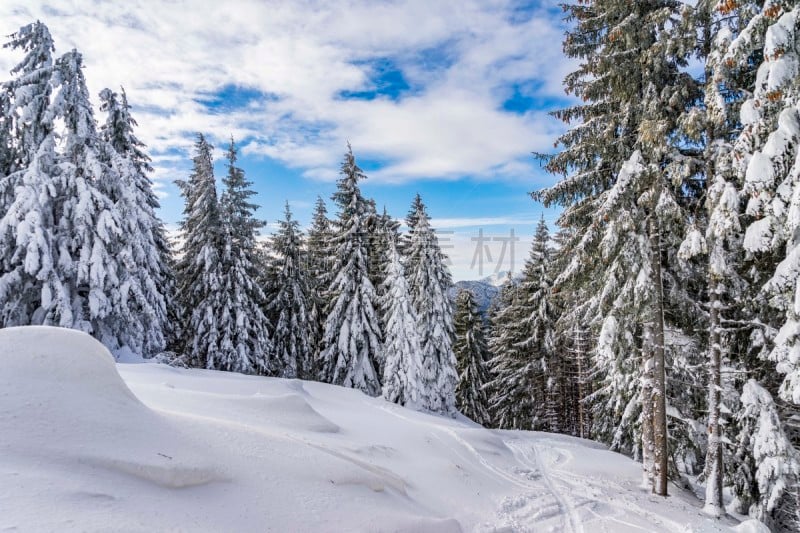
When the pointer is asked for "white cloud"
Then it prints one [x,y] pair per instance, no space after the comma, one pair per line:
[304,53]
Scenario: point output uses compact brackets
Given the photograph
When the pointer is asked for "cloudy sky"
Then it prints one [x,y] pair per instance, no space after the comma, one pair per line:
[445,98]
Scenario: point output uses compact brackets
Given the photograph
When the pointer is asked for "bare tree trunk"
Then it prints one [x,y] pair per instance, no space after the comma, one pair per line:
[714,505]
[580,354]
[646,399]
[660,437]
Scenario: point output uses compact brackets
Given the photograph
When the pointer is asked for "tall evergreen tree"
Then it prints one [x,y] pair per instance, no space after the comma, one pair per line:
[199,270]
[319,258]
[526,373]
[352,338]
[402,374]
[471,356]
[430,282]
[294,330]
[622,186]
[29,158]
[245,344]
[146,277]
[538,325]
[512,372]
[61,230]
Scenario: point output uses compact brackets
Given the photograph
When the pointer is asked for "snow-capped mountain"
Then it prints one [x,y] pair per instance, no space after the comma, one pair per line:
[485,289]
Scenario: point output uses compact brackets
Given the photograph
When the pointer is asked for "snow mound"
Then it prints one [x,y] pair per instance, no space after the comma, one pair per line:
[63,402]
[166,449]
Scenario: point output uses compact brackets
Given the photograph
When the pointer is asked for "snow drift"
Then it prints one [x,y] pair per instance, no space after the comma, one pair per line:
[159,448]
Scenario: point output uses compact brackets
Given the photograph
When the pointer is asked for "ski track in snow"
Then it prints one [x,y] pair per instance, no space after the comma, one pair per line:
[570,518]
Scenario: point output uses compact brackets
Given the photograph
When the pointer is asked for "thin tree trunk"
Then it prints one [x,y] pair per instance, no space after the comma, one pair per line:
[646,399]
[580,349]
[714,468]
[660,436]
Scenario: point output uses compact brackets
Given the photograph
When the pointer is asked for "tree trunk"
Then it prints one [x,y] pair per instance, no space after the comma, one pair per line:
[714,467]
[646,399]
[580,356]
[660,437]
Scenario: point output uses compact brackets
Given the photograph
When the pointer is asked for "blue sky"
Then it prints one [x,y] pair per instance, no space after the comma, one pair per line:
[444,98]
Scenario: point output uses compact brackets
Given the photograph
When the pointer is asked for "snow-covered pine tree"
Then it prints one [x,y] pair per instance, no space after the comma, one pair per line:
[402,373]
[62,230]
[29,157]
[539,326]
[26,98]
[511,371]
[352,338]
[293,331]
[319,258]
[430,282]
[245,344]
[200,282]
[146,279]
[572,342]
[527,372]
[771,173]
[621,190]
[384,235]
[716,233]
[776,462]
[471,356]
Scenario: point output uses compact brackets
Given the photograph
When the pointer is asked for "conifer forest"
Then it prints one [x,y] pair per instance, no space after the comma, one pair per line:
[659,316]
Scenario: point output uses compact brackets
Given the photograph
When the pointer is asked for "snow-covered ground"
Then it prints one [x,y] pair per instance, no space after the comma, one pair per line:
[90,445]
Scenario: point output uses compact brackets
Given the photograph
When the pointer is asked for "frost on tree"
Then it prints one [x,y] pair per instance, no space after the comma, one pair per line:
[319,259]
[526,372]
[772,177]
[471,356]
[429,280]
[199,270]
[512,371]
[623,190]
[775,459]
[402,374]
[62,229]
[294,330]
[244,344]
[146,277]
[352,338]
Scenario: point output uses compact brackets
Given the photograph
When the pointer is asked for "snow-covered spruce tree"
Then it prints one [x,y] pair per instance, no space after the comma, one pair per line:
[384,235]
[319,258]
[572,343]
[243,328]
[776,462]
[766,156]
[402,373]
[430,281]
[25,99]
[199,273]
[771,174]
[621,191]
[146,280]
[29,158]
[62,230]
[715,234]
[352,338]
[511,372]
[294,329]
[539,325]
[471,356]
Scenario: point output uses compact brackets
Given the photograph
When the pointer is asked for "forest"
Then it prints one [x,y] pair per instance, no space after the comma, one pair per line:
[660,317]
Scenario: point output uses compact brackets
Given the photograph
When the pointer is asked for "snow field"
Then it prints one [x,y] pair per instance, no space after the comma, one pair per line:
[87,445]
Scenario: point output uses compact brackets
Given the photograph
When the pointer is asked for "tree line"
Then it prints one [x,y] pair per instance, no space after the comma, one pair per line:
[353,302]
[662,318]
